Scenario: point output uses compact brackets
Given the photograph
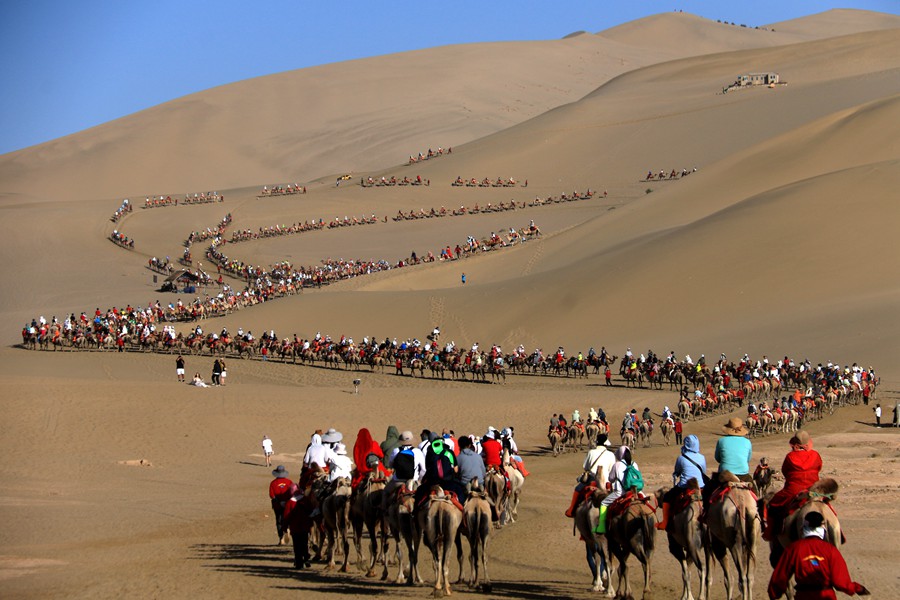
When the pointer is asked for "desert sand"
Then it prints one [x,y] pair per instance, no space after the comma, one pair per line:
[120,482]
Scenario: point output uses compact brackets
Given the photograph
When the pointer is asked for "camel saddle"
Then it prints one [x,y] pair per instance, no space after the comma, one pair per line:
[726,488]
[447,497]
[684,499]
[624,502]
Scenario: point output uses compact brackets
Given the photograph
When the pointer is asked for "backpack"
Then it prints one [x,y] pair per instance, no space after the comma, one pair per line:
[404,465]
[632,478]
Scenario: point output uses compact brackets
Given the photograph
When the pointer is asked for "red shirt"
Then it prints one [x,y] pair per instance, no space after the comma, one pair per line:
[492,451]
[679,427]
[817,566]
[280,489]
[801,470]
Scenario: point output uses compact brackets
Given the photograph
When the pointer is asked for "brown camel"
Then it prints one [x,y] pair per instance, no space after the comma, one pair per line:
[477,520]
[628,438]
[646,431]
[555,442]
[336,518]
[685,535]
[666,428]
[495,490]
[405,530]
[632,532]
[439,520]
[733,525]
[586,516]
[366,514]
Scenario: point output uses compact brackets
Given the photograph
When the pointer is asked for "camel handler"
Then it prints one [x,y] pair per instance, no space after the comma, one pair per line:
[816,566]
[597,466]
[280,489]
[733,453]
[800,468]
[690,465]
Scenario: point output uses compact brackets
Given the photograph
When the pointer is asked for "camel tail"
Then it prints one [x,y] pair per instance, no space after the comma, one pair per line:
[649,533]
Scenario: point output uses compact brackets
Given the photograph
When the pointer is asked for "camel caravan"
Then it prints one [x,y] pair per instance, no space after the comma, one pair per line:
[281,190]
[437,491]
[428,155]
[487,182]
[393,181]
[123,211]
[664,175]
[120,239]
[719,517]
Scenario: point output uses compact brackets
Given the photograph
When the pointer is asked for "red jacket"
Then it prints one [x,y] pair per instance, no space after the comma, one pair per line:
[280,489]
[817,567]
[493,453]
[801,470]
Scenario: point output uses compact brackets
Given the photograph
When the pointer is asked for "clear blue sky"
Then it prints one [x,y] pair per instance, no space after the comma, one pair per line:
[70,65]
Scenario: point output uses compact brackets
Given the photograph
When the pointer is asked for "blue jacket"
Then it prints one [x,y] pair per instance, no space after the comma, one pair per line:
[733,453]
[684,469]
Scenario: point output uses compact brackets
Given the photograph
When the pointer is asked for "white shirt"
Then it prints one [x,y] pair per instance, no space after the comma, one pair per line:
[600,461]
[267,445]
[340,466]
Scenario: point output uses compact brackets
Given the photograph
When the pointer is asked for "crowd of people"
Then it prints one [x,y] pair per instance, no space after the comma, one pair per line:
[455,463]
[810,558]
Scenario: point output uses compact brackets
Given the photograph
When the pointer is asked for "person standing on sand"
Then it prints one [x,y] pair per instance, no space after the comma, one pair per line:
[877,415]
[464,279]
[280,490]
[179,368]
[216,372]
[224,372]
[267,449]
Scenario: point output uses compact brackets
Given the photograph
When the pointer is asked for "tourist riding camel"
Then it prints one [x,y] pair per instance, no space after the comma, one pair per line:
[617,482]
[800,468]
[690,465]
[597,467]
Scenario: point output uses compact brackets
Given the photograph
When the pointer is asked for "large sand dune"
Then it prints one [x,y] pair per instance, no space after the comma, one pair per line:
[781,243]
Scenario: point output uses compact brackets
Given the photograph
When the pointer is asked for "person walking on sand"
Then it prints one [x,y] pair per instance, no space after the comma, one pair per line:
[464,279]
[179,368]
[878,415]
[267,449]
[224,372]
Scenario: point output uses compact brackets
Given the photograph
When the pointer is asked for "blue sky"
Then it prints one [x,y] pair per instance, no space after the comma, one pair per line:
[67,66]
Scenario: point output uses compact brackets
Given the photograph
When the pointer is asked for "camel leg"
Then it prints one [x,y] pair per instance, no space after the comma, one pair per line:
[590,549]
[484,532]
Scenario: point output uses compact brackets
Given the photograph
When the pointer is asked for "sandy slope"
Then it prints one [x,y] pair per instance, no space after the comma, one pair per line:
[781,243]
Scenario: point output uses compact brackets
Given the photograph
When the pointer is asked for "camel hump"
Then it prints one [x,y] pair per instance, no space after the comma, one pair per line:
[728,477]
[827,487]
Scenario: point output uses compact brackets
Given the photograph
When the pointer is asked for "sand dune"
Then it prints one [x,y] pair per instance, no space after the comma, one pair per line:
[781,243]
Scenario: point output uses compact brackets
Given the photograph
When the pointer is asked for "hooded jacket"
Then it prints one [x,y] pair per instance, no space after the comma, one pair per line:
[684,469]
[391,441]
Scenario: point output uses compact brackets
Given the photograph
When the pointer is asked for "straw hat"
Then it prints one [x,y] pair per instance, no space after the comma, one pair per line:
[735,426]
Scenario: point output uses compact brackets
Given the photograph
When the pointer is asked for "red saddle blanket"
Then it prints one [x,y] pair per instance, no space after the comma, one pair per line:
[621,504]
[723,491]
[684,499]
[448,494]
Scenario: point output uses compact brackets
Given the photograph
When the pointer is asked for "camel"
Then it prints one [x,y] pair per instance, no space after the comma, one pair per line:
[495,489]
[336,518]
[556,445]
[439,520]
[685,535]
[477,521]
[595,546]
[516,481]
[575,436]
[404,529]
[628,438]
[366,513]
[632,532]
[733,525]
[646,430]
[666,429]
[684,410]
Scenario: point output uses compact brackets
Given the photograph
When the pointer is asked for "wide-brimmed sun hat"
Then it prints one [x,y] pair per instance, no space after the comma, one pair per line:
[332,436]
[280,471]
[735,426]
